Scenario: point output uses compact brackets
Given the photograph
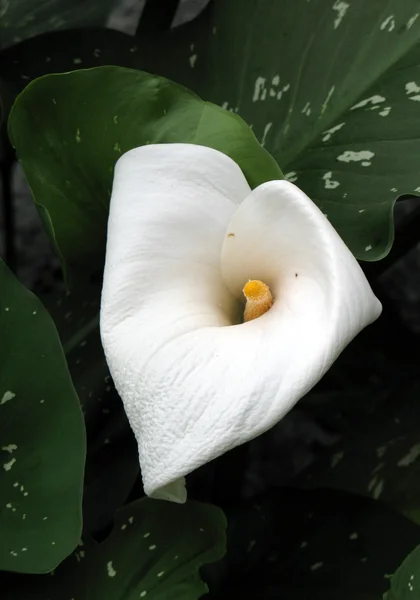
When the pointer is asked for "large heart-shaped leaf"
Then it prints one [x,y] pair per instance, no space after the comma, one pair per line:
[42,437]
[332,90]
[69,155]
[154,551]
[21,19]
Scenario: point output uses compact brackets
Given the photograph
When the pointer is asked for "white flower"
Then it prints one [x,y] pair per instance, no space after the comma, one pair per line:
[185,234]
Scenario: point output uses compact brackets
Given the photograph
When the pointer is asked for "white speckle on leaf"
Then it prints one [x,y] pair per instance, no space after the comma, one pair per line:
[10,448]
[284,89]
[317,566]
[161,573]
[131,520]
[7,466]
[327,99]
[378,489]
[192,60]
[7,396]
[371,100]
[368,248]
[362,155]
[353,536]
[336,459]
[259,89]
[77,61]
[362,210]
[388,24]
[124,526]
[329,183]
[341,8]
[78,140]
[412,20]
[110,569]
[275,80]
[328,133]
[411,457]
[146,535]
[266,130]
[291,176]
[411,87]
[393,190]
[143,593]
[306,110]
[152,547]
[385,111]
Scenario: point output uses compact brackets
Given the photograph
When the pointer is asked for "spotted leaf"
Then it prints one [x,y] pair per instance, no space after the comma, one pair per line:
[332,90]
[42,437]
[406,580]
[154,552]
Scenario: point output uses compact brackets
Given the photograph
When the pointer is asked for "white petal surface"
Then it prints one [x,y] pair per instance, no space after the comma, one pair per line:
[322,299]
[194,386]
[169,210]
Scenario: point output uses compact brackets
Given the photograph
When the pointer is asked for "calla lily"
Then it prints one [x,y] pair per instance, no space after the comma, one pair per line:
[185,236]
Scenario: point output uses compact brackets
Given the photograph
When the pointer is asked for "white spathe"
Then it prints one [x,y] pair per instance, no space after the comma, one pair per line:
[185,234]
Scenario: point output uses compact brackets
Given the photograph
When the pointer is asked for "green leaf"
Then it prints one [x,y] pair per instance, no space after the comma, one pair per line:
[157,548]
[21,19]
[112,462]
[42,437]
[331,89]
[154,551]
[380,458]
[69,155]
[405,582]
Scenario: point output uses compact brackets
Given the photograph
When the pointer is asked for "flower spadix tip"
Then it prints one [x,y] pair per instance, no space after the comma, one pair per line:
[258,299]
